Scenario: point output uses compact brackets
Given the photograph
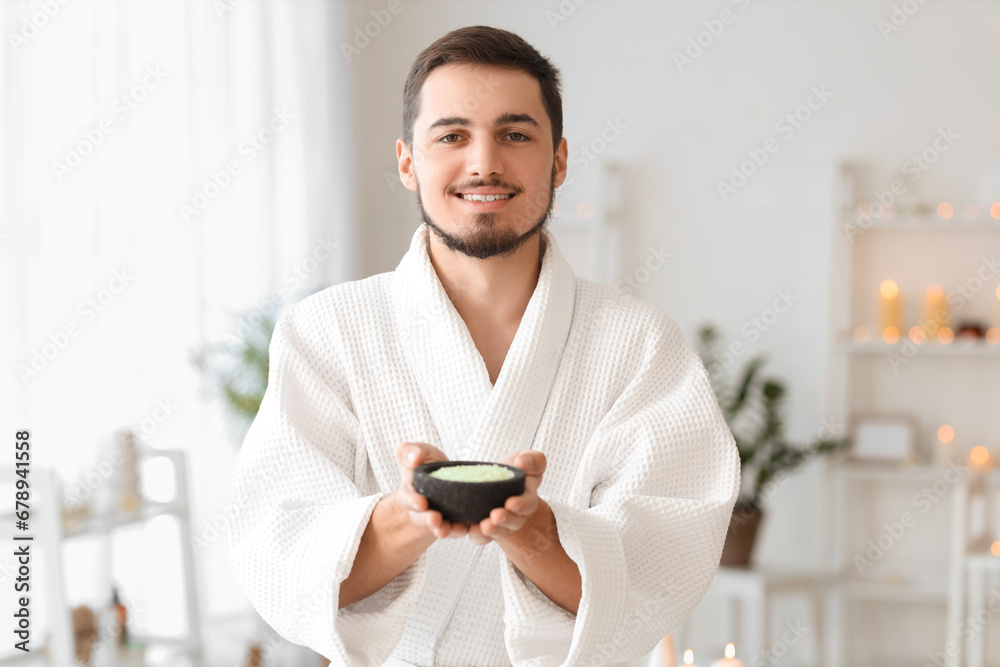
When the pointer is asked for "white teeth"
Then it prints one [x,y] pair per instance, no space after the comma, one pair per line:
[485,197]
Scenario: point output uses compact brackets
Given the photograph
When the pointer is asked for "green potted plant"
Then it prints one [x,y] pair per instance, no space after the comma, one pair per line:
[752,407]
[237,369]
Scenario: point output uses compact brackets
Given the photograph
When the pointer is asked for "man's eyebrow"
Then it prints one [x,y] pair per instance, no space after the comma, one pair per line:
[502,119]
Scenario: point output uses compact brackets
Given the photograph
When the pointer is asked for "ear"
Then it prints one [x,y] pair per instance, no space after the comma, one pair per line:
[406,165]
[560,163]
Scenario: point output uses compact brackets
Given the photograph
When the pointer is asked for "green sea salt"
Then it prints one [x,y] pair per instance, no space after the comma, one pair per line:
[476,473]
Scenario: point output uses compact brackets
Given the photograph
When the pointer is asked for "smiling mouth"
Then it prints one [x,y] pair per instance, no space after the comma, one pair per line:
[484,198]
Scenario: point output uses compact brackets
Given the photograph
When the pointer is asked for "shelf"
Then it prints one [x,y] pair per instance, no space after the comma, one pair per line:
[103,523]
[924,223]
[956,348]
[892,472]
[923,589]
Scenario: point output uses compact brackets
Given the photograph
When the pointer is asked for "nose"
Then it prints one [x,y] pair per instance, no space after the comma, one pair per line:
[484,159]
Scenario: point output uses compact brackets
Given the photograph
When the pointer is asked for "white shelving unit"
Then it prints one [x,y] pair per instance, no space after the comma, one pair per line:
[862,382]
[52,532]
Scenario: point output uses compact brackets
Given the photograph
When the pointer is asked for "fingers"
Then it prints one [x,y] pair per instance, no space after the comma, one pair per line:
[530,461]
[412,454]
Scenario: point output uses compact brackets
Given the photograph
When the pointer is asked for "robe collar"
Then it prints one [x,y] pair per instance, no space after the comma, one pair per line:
[476,420]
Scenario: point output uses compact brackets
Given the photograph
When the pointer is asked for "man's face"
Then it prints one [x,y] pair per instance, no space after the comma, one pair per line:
[460,148]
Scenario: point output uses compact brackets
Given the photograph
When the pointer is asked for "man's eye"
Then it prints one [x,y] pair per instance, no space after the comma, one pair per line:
[525,137]
[442,139]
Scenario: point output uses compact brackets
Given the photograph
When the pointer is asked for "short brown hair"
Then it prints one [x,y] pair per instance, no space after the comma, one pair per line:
[483,45]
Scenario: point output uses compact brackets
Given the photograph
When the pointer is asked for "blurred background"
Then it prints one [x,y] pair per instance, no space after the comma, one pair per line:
[810,189]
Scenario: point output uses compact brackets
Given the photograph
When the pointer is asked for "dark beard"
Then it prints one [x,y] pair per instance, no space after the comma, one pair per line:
[486,240]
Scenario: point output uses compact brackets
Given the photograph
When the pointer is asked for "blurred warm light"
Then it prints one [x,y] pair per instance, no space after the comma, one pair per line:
[968,336]
[916,334]
[585,210]
[730,651]
[993,336]
[935,292]
[945,210]
[995,210]
[889,288]
[689,657]
[995,548]
[998,291]
[890,334]
[945,433]
[861,334]
[971,211]
[945,335]
[980,455]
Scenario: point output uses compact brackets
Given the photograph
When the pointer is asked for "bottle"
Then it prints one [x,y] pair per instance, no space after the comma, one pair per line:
[121,617]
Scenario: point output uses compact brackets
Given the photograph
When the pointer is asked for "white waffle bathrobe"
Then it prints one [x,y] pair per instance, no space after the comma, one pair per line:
[642,470]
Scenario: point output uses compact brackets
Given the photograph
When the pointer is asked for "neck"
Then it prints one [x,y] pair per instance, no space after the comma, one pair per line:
[496,289]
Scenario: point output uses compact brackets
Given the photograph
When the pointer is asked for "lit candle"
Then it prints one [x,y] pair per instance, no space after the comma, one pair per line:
[890,311]
[729,660]
[998,308]
[667,651]
[689,658]
[934,313]
[979,457]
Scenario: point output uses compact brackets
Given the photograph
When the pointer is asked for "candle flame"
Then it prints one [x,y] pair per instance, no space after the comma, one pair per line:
[993,336]
[917,334]
[980,455]
[890,334]
[945,433]
[889,288]
[995,210]
[995,548]
[730,651]
[944,209]
[945,335]
[935,292]
[689,657]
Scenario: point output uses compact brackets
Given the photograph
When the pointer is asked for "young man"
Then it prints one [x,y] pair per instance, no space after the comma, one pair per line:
[482,345]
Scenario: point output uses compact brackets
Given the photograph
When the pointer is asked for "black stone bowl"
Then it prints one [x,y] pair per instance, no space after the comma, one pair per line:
[465,502]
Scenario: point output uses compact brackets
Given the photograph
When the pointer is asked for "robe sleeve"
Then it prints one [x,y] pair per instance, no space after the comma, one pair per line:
[649,545]
[299,513]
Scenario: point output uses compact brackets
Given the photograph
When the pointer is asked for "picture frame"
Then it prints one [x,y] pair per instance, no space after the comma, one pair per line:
[883,438]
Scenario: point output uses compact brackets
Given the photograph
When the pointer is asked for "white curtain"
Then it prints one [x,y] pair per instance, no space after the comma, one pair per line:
[164,166]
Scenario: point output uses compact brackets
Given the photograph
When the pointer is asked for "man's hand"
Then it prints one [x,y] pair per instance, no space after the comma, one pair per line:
[505,521]
[409,455]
